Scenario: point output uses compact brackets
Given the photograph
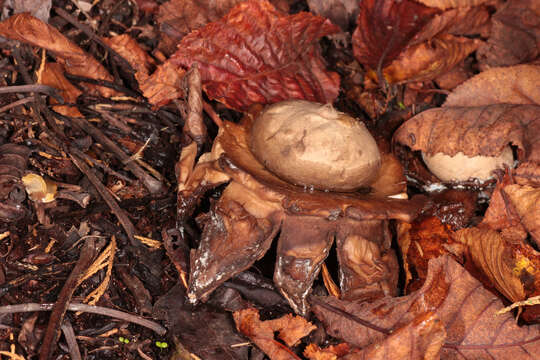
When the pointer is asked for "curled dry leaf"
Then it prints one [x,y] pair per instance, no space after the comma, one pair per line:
[480,130]
[512,267]
[385,28]
[526,201]
[130,50]
[448,4]
[515,35]
[464,307]
[512,85]
[457,21]
[164,85]
[291,329]
[52,74]
[26,28]
[256,204]
[430,59]
[332,352]
[255,54]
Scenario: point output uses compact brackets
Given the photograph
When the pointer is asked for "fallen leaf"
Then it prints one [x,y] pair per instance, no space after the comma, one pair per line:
[465,308]
[40,9]
[447,4]
[26,28]
[164,85]
[291,329]
[340,12]
[421,339]
[515,35]
[493,255]
[176,18]
[430,59]
[512,85]
[52,74]
[479,130]
[255,54]
[384,29]
[456,21]
[129,49]
[526,201]
[332,352]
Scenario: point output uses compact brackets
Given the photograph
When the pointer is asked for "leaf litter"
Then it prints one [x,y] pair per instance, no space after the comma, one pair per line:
[128,181]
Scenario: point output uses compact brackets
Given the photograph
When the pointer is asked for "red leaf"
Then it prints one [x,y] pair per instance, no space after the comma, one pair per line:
[385,28]
[255,54]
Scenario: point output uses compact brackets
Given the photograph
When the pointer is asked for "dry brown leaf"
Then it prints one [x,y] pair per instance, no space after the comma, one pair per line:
[515,35]
[164,85]
[129,49]
[420,339]
[256,54]
[466,309]
[493,255]
[385,28]
[448,4]
[512,85]
[526,201]
[430,59]
[52,74]
[176,18]
[480,130]
[291,329]
[26,28]
[528,173]
[332,352]
[458,21]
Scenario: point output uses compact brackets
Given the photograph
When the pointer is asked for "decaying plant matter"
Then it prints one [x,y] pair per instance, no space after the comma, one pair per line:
[256,204]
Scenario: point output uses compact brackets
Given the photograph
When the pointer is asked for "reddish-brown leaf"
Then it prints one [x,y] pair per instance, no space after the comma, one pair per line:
[291,329]
[385,28]
[130,50]
[448,4]
[163,85]
[255,54]
[430,59]
[526,201]
[466,309]
[26,28]
[458,21]
[52,74]
[512,85]
[515,34]
[176,18]
[332,352]
[480,130]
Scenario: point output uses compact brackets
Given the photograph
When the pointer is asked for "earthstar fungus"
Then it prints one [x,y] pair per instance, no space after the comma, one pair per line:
[256,204]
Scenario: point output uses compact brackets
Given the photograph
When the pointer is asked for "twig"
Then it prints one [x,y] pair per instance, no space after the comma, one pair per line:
[92,309]
[34,88]
[152,184]
[59,309]
[16,103]
[69,335]
[107,197]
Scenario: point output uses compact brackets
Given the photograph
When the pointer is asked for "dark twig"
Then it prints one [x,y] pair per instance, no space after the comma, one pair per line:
[152,184]
[36,88]
[107,197]
[135,319]
[90,33]
[69,335]
[104,83]
[56,319]
[16,103]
